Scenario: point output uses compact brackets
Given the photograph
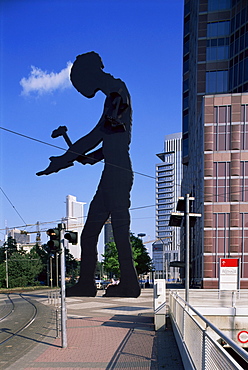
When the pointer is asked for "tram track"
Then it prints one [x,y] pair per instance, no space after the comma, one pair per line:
[22,314]
[7,308]
[24,323]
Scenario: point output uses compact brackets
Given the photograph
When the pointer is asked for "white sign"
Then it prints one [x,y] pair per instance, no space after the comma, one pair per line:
[229,274]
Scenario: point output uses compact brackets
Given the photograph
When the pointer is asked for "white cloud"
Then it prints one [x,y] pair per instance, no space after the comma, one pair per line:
[43,82]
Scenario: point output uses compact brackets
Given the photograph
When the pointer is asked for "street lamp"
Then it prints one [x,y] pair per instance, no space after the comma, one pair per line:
[6,261]
[141,235]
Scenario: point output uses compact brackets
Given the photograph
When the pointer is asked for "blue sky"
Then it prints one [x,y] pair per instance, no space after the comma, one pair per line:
[140,41]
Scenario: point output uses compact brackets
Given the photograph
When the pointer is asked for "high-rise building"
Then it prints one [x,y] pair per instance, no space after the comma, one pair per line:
[74,222]
[108,233]
[215,134]
[168,189]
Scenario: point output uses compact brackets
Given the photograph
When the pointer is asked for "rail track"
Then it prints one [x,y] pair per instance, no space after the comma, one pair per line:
[24,323]
[19,314]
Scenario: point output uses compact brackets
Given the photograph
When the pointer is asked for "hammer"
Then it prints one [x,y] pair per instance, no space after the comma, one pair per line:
[62,131]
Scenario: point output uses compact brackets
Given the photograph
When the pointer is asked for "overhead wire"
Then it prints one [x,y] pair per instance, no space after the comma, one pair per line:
[13,205]
[68,149]
[71,151]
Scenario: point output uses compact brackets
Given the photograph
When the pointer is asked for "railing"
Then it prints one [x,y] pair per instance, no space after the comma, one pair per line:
[216,297]
[54,299]
[198,348]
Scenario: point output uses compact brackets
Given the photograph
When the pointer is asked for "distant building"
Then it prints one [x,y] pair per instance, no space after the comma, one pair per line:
[168,189]
[108,233]
[74,222]
[20,236]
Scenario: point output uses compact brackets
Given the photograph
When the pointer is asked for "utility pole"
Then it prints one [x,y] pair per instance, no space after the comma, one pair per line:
[187,248]
[56,246]
[183,208]
[62,275]
[6,260]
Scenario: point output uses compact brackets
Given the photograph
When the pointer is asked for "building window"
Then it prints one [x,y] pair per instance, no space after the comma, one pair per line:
[218,29]
[164,211]
[221,237]
[222,128]
[244,127]
[217,49]
[214,5]
[243,245]
[244,181]
[216,82]
[222,181]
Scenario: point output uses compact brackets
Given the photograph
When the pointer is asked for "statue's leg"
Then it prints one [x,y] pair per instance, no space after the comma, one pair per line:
[129,285]
[97,216]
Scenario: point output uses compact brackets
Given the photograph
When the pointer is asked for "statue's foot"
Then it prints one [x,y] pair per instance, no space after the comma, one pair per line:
[79,290]
[123,290]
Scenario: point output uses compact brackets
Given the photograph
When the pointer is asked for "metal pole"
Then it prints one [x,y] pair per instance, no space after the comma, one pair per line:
[57,269]
[6,252]
[163,262]
[63,305]
[187,248]
[7,273]
[51,271]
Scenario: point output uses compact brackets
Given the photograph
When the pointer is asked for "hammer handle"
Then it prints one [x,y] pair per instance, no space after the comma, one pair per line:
[67,139]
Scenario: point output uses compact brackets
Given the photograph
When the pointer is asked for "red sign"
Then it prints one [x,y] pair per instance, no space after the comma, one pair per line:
[243,336]
[229,262]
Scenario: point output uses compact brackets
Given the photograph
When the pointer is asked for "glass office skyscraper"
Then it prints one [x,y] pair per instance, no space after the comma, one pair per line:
[168,189]
[215,134]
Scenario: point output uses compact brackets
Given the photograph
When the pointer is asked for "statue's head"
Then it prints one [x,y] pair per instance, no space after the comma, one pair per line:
[85,73]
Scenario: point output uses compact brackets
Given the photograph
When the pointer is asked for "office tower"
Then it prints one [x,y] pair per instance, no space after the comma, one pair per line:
[108,233]
[74,222]
[215,127]
[168,189]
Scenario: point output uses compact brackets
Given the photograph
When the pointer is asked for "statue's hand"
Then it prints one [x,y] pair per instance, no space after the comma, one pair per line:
[57,164]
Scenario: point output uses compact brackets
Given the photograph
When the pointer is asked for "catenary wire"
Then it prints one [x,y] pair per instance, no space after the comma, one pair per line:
[12,205]
[68,149]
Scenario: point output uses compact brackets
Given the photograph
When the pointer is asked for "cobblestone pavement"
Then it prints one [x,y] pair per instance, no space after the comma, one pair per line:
[104,333]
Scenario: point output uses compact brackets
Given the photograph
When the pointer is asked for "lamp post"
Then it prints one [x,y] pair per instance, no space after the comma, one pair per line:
[141,235]
[51,270]
[183,206]
[6,261]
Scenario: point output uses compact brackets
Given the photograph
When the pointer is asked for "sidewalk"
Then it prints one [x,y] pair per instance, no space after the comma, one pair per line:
[105,333]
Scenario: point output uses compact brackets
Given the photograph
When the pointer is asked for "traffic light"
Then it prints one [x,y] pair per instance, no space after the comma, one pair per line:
[54,242]
[72,237]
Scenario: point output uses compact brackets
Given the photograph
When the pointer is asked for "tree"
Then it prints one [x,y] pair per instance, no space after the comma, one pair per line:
[23,269]
[111,263]
[42,252]
[10,246]
[72,266]
[142,260]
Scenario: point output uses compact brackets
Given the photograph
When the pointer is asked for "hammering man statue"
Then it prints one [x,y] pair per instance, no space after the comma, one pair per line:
[112,197]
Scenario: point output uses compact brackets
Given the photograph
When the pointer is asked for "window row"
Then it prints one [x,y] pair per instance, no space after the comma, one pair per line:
[238,74]
[221,182]
[216,82]
[239,45]
[215,5]
[222,240]
[218,29]
[222,128]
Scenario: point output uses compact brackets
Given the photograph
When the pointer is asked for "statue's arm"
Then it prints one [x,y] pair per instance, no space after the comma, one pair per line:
[92,157]
[75,152]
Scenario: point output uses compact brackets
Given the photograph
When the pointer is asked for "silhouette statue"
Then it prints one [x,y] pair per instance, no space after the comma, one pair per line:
[112,197]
